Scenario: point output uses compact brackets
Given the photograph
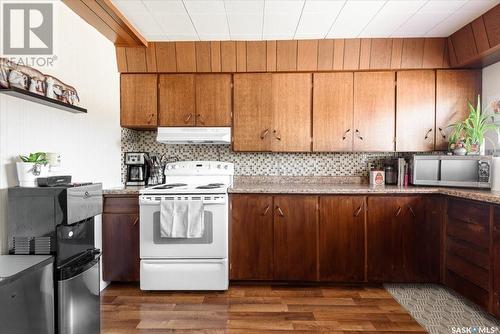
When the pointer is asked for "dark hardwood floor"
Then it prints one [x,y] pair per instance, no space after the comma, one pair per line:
[255,309]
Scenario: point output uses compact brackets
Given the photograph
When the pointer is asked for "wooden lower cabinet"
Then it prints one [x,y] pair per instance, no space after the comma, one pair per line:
[342,238]
[120,239]
[496,272]
[296,237]
[251,243]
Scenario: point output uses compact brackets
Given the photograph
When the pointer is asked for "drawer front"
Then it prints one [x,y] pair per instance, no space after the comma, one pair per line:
[475,234]
[467,289]
[122,204]
[468,211]
[496,218]
[84,202]
[469,271]
[467,252]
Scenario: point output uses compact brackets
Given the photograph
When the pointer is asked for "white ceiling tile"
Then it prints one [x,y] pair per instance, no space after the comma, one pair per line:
[245,18]
[317,18]
[173,19]
[281,18]
[142,19]
[209,18]
[465,14]
[354,17]
[391,17]
[428,17]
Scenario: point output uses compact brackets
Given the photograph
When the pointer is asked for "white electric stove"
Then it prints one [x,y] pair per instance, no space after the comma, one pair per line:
[187,263]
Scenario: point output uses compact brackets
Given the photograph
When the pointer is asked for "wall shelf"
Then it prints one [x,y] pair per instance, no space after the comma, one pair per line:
[27,95]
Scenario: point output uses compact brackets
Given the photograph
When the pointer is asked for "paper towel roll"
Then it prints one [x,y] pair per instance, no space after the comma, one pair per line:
[495,174]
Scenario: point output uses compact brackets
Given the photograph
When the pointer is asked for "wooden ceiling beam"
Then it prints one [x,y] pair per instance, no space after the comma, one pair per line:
[108,20]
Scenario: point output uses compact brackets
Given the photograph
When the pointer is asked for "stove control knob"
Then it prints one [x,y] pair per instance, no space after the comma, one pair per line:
[219,166]
[226,167]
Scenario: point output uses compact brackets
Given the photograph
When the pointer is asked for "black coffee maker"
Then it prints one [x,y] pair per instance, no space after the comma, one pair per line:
[137,168]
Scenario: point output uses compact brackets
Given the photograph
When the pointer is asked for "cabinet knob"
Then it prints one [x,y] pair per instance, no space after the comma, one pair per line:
[200,118]
[358,134]
[150,118]
[398,212]
[276,135]
[135,221]
[187,118]
[411,211]
[358,211]
[266,210]
[345,134]
[264,134]
[442,133]
[427,134]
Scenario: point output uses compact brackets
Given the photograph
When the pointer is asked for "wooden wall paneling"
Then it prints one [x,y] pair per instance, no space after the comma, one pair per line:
[365,54]
[121,59]
[380,56]
[347,55]
[415,110]
[433,53]
[228,56]
[338,54]
[464,44]
[241,56]
[413,53]
[213,99]
[480,35]
[286,55]
[374,114]
[451,53]
[271,56]
[325,54]
[446,54]
[397,52]
[151,58]
[215,61]
[256,56]
[332,111]
[307,55]
[136,59]
[492,25]
[203,60]
[185,53]
[166,57]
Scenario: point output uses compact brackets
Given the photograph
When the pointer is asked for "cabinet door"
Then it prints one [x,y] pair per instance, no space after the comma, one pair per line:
[415,111]
[292,96]
[252,118]
[138,101]
[177,100]
[251,241]
[453,89]
[213,100]
[332,111]
[342,238]
[384,239]
[120,247]
[295,237]
[374,115]
[421,230]
[496,266]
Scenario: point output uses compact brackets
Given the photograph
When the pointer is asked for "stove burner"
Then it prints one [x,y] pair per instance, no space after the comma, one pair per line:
[171,185]
[210,186]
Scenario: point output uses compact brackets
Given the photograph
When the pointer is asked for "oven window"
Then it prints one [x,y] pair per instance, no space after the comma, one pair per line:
[459,170]
[207,237]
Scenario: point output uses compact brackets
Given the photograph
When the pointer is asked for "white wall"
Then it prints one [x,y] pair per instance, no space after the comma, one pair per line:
[491,91]
[89,143]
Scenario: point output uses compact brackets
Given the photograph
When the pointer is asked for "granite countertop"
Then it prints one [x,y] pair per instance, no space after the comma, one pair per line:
[330,185]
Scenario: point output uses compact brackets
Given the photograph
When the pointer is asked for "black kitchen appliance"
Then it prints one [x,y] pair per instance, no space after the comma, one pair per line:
[60,221]
[137,168]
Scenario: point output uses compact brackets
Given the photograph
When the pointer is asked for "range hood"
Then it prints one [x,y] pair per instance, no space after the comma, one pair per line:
[194,135]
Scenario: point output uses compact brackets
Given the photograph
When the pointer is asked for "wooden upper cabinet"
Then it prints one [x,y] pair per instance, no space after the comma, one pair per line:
[177,100]
[251,240]
[295,237]
[415,111]
[252,120]
[374,114]
[213,100]
[291,107]
[342,238]
[453,89]
[332,111]
[138,101]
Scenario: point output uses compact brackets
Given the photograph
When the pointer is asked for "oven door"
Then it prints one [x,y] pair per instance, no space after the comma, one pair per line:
[213,243]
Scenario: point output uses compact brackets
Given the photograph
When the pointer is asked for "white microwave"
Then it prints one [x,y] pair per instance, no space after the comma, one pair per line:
[472,171]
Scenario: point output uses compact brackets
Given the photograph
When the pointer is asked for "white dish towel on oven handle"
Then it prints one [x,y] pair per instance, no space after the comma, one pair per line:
[181,219]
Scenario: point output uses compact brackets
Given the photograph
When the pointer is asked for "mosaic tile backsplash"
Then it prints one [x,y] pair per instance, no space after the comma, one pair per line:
[275,164]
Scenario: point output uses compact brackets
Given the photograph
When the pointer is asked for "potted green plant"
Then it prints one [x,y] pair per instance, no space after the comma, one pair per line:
[470,133]
[30,167]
